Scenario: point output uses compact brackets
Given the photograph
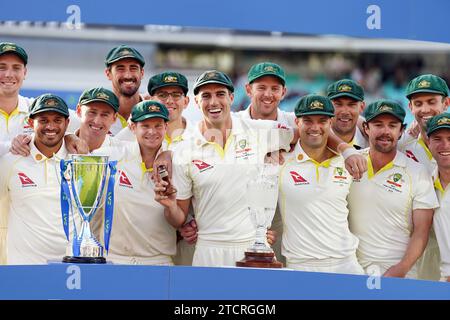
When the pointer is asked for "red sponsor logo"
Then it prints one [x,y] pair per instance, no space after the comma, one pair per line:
[25,180]
[124,181]
[201,165]
[411,155]
[298,179]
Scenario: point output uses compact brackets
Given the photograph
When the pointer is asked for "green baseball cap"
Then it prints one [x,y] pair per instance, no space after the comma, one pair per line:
[213,76]
[149,109]
[121,52]
[99,95]
[427,83]
[165,79]
[9,47]
[49,102]
[266,69]
[314,104]
[379,107]
[345,88]
[441,121]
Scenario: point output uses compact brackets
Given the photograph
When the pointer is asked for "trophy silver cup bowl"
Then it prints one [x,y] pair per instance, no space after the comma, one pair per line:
[83,191]
[262,193]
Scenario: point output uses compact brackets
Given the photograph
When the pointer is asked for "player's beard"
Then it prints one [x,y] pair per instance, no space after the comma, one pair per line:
[385,148]
[129,91]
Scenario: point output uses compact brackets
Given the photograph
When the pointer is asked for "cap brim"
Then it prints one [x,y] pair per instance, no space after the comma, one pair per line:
[345,94]
[99,100]
[268,74]
[49,110]
[445,126]
[17,54]
[231,88]
[315,113]
[386,112]
[149,116]
[426,91]
[185,89]
[142,63]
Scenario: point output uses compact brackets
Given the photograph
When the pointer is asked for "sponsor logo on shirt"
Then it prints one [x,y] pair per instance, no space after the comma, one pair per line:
[124,181]
[201,165]
[298,179]
[25,180]
[411,155]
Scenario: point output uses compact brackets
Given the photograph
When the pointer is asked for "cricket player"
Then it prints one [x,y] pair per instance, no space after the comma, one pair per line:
[31,187]
[438,133]
[391,207]
[428,97]
[314,186]
[142,233]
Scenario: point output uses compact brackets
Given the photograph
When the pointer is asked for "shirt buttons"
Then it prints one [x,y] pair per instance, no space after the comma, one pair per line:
[38,157]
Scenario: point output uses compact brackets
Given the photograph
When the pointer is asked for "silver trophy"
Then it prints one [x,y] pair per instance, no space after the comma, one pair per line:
[262,194]
[83,182]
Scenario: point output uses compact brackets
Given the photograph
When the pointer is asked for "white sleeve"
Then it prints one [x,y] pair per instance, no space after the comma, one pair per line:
[74,122]
[4,147]
[441,224]
[273,135]
[181,176]
[424,196]
[125,135]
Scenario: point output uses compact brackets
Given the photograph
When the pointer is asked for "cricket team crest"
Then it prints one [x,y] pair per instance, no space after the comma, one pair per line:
[395,182]
[243,149]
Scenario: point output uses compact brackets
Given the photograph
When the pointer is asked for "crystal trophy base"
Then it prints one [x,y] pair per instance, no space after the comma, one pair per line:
[259,260]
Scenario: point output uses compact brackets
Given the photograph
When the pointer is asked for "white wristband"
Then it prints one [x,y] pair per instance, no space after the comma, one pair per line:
[349,152]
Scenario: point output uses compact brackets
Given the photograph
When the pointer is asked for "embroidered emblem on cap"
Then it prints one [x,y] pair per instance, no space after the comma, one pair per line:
[423,84]
[269,69]
[316,105]
[385,108]
[170,79]
[443,121]
[345,88]
[153,108]
[9,47]
[125,52]
[102,95]
[50,103]
[211,75]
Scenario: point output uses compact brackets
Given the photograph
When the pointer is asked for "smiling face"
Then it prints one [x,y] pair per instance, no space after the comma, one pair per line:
[126,76]
[427,105]
[346,112]
[439,144]
[150,132]
[314,130]
[12,74]
[49,128]
[173,98]
[266,94]
[214,100]
[384,131]
[96,119]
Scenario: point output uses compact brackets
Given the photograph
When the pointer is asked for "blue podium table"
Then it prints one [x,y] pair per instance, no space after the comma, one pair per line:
[71,281]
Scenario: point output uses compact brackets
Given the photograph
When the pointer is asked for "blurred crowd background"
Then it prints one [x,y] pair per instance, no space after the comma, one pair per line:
[66,61]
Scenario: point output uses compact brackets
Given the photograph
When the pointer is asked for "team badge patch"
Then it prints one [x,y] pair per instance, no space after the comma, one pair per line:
[395,182]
